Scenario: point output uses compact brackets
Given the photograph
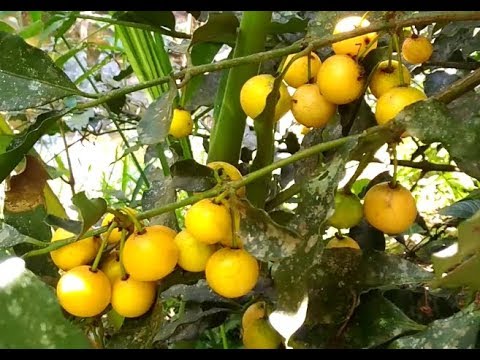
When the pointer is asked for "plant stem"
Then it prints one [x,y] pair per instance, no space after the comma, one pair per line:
[364,161]
[224,336]
[283,196]
[100,250]
[426,19]
[395,165]
[229,126]
[123,237]
[399,59]
[427,166]
[71,178]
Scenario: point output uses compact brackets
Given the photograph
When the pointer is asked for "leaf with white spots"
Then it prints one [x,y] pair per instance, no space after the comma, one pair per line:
[28,76]
[31,316]
[432,121]
[376,321]
[317,199]
[9,236]
[261,236]
[456,332]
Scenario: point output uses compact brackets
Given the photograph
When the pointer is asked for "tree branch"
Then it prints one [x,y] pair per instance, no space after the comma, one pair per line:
[427,166]
[296,47]
[466,65]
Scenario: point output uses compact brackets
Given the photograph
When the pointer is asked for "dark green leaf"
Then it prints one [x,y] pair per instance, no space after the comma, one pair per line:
[138,333]
[293,25]
[161,192]
[22,144]
[90,210]
[72,226]
[220,28]
[193,315]
[30,223]
[5,140]
[374,57]
[30,76]
[456,36]
[115,319]
[116,104]
[202,91]
[430,121]
[9,236]
[199,293]
[31,316]
[123,73]
[62,25]
[461,209]
[376,321]
[31,30]
[456,332]
[262,237]
[437,81]
[367,236]
[154,126]
[378,270]
[158,19]
[356,117]
[189,175]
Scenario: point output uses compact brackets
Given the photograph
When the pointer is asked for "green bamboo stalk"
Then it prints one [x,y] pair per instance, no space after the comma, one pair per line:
[229,126]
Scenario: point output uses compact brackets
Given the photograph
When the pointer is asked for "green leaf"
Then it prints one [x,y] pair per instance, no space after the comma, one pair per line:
[220,28]
[367,237]
[5,140]
[437,81]
[29,75]
[430,121]
[115,319]
[4,27]
[31,30]
[72,226]
[456,332]
[91,210]
[461,209]
[158,19]
[22,143]
[189,175]
[31,316]
[193,320]
[374,57]
[376,321]
[293,25]
[9,236]
[261,236]
[154,126]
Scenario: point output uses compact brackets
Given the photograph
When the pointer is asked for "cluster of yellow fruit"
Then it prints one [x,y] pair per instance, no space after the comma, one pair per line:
[208,243]
[340,79]
[389,208]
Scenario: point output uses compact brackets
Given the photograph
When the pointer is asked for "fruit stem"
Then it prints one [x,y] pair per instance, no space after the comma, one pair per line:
[390,51]
[339,235]
[309,64]
[234,226]
[102,246]
[138,224]
[399,59]
[224,336]
[395,166]
[364,161]
[364,51]
[123,272]
[364,17]
[221,198]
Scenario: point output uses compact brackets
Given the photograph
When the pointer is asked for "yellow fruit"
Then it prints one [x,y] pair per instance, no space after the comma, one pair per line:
[261,335]
[417,49]
[384,78]
[230,171]
[345,242]
[166,229]
[193,254]
[150,256]
[348,211]
[394,101]
[356,45]
[310,108]
[182,124]
[116,234]
[110,266]
[232,273]
[254,312]
[132,298]
[82,292]
[391,211]
[297,73]
[80,252]
[209,222]
[341,79]
[253,96]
